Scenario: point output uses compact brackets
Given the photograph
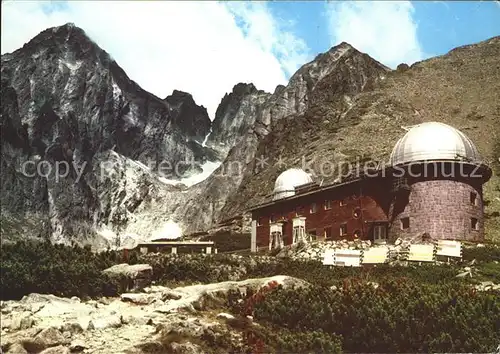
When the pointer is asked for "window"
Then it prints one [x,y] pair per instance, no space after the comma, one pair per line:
[299,211]
[328,204]
[473,198]
[272,218]
[405,223]
[342,203]
[343,229]
[327,232]
[379,233]
[311,232]
[474,224]
[260,222]
[356,213]
[357,234]
[313,208]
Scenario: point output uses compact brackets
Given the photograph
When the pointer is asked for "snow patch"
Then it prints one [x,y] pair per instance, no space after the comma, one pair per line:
[131,118]
[73,66]
[170,230]
[116,91]
[117,242]
[107,234]
[208,168]
[204,143]
[32,86]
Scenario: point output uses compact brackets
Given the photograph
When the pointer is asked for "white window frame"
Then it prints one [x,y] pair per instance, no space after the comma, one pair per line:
[379,232]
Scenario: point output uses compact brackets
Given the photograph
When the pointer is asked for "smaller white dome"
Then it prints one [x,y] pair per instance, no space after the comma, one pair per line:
[287,181]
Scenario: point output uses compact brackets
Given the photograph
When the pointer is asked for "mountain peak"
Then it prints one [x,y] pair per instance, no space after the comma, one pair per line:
[64,33]
[180,94]
[344,45]
[67,38]
[242,88]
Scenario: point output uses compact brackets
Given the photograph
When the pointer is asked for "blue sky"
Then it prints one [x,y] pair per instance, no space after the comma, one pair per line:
[441,25]
[206,48]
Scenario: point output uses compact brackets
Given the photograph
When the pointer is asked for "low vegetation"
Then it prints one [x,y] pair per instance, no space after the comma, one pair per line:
[397,315]
[41,267]
[378,309]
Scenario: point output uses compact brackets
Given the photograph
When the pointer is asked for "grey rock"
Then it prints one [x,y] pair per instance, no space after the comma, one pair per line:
[50,337]
[139,274]
[77,346]
[22,321]
[56,350]
[17,348]
[139,299]
[71,327]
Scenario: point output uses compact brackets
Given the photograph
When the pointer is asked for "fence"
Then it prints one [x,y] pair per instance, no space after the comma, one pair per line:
[419,253]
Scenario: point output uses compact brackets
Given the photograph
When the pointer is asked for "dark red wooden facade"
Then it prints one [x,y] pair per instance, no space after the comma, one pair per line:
[353,207]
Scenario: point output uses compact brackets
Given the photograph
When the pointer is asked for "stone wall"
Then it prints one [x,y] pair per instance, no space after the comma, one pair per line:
[443,209]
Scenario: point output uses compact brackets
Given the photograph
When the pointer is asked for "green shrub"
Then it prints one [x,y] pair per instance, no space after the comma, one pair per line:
[41,267]
[285,341]
[488,253]
[398,316]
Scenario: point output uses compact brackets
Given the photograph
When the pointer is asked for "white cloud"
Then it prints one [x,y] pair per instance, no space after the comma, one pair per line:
[204,48]
[386,30]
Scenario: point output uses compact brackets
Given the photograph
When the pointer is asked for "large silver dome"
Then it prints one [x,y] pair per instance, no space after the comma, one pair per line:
[287,181]
[434,141]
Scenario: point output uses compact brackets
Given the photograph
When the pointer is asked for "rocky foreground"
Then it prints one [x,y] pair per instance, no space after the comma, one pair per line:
[132,323]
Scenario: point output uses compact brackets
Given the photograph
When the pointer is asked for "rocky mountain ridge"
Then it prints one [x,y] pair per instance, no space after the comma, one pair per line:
[68,104]
[460,88]
[65,99]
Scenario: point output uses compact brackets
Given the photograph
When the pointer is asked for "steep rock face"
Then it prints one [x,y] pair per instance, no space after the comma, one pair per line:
[64,102]
[193,119]
[235,115]
[337,75]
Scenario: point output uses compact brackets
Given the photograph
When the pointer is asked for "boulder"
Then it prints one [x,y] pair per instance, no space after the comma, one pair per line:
[56,350]
[186,348]
[23,321]
[71,327]
[137,298]
[50,337]
[17,348]
[77,346]
[110,321]
[170,295]
[137,276]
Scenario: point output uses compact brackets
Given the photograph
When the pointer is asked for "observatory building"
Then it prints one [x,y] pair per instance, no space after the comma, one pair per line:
[432,185]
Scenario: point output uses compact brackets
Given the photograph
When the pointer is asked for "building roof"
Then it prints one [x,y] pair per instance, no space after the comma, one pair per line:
[309,192]
[434,141]
[286,182]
